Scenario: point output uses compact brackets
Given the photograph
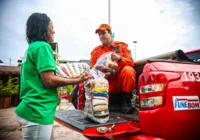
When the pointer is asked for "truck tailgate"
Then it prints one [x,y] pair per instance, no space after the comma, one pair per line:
[76,120]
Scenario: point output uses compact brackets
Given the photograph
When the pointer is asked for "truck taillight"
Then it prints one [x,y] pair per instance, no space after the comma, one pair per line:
[152,86]
[151,102]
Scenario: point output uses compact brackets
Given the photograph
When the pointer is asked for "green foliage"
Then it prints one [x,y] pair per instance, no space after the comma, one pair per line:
[10,87]
[61,61]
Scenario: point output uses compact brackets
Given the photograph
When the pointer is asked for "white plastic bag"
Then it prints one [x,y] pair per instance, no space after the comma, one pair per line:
[96,90]
[71,70]
[105,65]
[96,103]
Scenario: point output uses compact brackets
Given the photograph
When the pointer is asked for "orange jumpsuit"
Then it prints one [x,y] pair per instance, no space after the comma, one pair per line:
[124,78]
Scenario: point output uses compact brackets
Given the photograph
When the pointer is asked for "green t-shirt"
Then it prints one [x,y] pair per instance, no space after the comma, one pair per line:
[38,102]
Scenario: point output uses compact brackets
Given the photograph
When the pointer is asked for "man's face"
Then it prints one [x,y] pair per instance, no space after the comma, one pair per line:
[105,37]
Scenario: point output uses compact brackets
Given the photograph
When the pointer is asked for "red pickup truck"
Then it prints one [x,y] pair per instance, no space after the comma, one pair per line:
[168,87]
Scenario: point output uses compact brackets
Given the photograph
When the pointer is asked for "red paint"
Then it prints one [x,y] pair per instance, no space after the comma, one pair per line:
[119,129]
[164,121]
[135,137]
[193,51]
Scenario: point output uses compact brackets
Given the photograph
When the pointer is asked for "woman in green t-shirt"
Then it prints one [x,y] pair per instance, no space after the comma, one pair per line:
[38,81]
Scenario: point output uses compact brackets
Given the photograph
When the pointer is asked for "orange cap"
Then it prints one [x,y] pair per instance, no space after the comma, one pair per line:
[103,27]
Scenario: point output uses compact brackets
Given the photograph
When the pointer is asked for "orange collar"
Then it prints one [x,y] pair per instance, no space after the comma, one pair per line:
[112,44]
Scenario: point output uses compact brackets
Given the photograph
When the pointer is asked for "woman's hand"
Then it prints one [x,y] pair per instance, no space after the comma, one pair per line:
[85,76]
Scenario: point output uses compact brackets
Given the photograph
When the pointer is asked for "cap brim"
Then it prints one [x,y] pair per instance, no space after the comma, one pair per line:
[100,29]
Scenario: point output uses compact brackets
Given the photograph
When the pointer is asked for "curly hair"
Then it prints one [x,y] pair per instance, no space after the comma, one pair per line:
[37,27]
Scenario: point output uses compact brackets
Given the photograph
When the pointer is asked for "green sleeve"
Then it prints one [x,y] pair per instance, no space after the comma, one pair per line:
[44,59]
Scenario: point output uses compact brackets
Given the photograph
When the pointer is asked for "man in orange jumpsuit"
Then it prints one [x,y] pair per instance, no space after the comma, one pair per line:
[121,83]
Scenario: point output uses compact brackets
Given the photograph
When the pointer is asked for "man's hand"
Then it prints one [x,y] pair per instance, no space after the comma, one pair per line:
[115,57]
[85,76]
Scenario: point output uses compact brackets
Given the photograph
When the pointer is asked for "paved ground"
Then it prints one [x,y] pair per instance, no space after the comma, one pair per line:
[10,129]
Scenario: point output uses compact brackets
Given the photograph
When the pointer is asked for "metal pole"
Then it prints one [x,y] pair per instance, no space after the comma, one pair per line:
[109,12]
[135,43]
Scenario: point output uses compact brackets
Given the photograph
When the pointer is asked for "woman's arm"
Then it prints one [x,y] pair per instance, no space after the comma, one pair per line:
[51,80]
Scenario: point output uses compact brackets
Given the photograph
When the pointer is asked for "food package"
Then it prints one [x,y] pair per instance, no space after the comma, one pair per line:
[86,67]
[76,69]
[81,68]
[72,70]
[65,69]
[96,89]
[111,64]
[60,72]
[96,104]
[105,65]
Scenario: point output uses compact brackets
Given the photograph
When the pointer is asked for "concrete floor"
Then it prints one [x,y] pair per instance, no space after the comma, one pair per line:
[10,129]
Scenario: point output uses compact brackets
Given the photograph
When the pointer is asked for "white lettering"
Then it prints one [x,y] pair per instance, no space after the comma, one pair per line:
[197,76]
[191,76]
